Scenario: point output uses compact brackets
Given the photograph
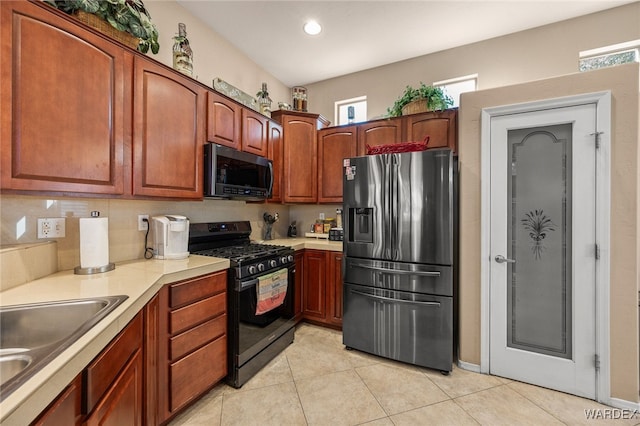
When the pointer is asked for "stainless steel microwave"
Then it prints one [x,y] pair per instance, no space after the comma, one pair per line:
[229,173]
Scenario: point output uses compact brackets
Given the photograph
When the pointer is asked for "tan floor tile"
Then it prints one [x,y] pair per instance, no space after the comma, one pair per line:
[379,422]
[462,382]
[338,399]
[206,412]
[442,413]
[276,372]
[504,406]
[400,389]
[315,358]
[272,405]
[573,410]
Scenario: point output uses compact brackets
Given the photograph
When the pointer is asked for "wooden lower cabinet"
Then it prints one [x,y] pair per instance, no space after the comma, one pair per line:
[172,352]
[122,403]
[66,409]
[193,341]
[298,257]
[322,287]
[113,381]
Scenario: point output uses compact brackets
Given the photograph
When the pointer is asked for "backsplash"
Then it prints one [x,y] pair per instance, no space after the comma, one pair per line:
[20,214]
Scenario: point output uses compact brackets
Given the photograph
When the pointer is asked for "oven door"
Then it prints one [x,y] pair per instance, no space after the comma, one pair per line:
[251,333]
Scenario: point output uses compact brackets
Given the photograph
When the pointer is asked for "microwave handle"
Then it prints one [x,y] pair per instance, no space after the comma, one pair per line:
[270,179]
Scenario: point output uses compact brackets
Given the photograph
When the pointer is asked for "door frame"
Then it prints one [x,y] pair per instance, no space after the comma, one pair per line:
[603,224]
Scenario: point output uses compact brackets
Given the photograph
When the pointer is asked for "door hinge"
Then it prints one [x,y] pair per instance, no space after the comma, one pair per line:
[597,251]
[596,361]
[597,136]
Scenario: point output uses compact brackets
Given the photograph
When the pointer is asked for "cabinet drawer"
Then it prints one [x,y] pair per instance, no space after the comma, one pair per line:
[197,372]
[185,342]
[196,289]
[101,373]
[194,314]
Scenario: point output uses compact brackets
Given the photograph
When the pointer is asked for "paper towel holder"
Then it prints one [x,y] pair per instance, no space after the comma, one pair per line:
[78,270]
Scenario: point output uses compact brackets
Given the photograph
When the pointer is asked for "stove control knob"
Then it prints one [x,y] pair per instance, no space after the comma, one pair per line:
[273,263]
[260,267]
[290,258]
[252,269]
[283,259]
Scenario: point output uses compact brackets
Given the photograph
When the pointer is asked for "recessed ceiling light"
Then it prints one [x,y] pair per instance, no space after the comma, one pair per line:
[312,28]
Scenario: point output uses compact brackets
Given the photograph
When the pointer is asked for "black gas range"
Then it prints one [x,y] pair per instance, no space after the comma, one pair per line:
[253,338]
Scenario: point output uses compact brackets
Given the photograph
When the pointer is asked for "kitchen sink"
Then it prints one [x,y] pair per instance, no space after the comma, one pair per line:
[32,335]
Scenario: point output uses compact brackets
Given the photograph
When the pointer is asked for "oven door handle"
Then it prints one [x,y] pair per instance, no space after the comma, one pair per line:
[247,284]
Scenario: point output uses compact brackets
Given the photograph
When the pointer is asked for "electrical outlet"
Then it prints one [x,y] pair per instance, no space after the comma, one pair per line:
[52,227]
[142,225]
[321,216]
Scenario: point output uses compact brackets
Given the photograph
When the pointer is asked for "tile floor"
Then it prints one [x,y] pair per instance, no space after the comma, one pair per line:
[316,381]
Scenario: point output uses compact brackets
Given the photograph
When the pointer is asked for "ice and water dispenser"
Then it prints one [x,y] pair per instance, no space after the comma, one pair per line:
[360,224]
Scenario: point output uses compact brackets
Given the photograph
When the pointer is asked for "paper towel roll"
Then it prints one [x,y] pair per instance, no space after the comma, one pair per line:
[94,242]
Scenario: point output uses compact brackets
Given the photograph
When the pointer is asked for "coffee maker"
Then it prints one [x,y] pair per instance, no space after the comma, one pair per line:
[170,237]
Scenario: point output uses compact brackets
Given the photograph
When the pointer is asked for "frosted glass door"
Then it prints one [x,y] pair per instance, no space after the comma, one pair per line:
[542,237]
[539,240]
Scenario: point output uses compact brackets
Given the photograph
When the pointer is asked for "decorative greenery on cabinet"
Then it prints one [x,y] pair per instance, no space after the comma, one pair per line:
[124,15]
[435,99]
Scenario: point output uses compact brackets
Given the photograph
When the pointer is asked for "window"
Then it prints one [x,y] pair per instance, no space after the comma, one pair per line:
[608,56]
[455,86]
[357,107]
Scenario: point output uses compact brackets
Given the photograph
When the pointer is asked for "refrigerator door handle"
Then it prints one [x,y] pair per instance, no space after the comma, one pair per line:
[388,228]
[392,300]
[400,271]
[395,216]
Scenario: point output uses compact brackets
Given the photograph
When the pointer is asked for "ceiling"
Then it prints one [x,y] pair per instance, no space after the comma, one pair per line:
[359,35]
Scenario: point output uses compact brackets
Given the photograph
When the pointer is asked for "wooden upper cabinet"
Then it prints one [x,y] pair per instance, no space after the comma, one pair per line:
[300,168]
[334,145]
[168,133]
[276,153]
[254,132]
[440,126]
[62,124]
[223,121]
[379,132]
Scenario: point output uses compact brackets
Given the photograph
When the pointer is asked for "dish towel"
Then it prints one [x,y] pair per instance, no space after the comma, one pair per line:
[271,290]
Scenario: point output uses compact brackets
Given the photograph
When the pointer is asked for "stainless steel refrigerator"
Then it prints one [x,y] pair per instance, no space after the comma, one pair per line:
[399,247]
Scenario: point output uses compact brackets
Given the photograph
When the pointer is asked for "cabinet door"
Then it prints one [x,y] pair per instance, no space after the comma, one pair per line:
[66,409]
[62,124]
[379,132]
[276,153]
[223,121]
[114,380]
[122,404]
[334,145]
[168,133]
[254,133]
[314,291]
[299,290]
[334,288]
[440,126]
[300,176]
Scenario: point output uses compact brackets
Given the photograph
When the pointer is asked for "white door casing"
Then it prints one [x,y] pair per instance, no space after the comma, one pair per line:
[590,311]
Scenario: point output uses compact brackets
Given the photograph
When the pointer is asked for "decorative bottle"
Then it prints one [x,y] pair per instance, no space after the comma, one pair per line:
[264,100]
[182,53]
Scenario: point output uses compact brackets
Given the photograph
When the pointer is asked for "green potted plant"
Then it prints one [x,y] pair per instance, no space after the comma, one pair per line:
[424,98]
[124,15]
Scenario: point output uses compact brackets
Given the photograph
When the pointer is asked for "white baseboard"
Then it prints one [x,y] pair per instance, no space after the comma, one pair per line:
[623,404]
[468,366]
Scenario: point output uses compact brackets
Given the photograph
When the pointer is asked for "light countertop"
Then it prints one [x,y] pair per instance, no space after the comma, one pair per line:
[140,280]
